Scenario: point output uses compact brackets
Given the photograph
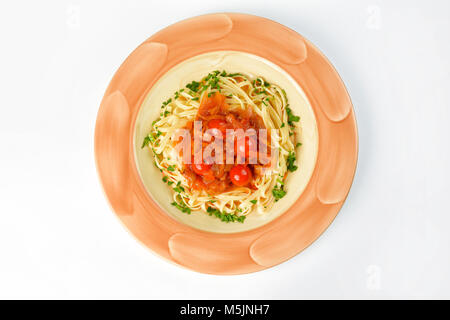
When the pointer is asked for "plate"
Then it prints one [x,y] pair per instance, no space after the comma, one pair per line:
[201,246]
[196,68]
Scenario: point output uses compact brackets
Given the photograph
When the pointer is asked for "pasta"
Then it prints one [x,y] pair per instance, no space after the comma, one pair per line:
[222,101]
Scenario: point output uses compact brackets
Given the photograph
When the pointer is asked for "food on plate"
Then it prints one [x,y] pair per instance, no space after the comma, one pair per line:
[225,144]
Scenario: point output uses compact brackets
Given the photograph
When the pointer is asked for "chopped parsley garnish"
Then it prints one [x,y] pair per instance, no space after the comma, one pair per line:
[225,217]
[193,86]
[165,179]
[165,103]
[290,162]
[211,81]
[278,193]
[283,125]
[171,168]
[299,144]
[182,207]
[178,188]
[146,141]
[149,138]
[291,117]
[195,99]
[253,201]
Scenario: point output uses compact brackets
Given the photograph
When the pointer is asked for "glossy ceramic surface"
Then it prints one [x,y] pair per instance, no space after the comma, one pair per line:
[276,241]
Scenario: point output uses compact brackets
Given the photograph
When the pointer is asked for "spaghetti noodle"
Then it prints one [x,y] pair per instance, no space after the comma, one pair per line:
[222,101]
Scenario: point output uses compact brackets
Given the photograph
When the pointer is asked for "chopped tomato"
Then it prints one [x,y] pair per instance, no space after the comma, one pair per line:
[245,149]
[201,168]
[240,175]
[212,105]
[217,115]
[218,124]
[198,184]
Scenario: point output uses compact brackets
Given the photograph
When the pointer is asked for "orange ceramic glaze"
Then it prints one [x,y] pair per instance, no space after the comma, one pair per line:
[283,237]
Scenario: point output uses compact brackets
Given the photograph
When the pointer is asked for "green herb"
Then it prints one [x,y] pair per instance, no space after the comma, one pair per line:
[181,207]
[170,183]
[253,201]
[225,217]
[211,81]
[195,99]
[165,103]
[266,84]
[290,162]
[178,188]
[291,117]
[299,144]
[194,86]
[145,142]
[165,178]
[214,83]
[283,125]
[166,113]
[171,168]
[278,193]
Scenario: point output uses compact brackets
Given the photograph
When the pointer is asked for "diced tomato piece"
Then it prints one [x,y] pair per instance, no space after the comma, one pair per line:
[240,175]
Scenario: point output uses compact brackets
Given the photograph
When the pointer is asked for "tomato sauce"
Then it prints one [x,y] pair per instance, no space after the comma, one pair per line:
[216,115]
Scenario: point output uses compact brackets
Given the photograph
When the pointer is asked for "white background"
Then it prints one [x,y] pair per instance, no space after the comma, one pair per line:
[58,236]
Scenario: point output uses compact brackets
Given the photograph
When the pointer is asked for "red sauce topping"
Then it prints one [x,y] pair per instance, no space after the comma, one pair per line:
[216,114]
